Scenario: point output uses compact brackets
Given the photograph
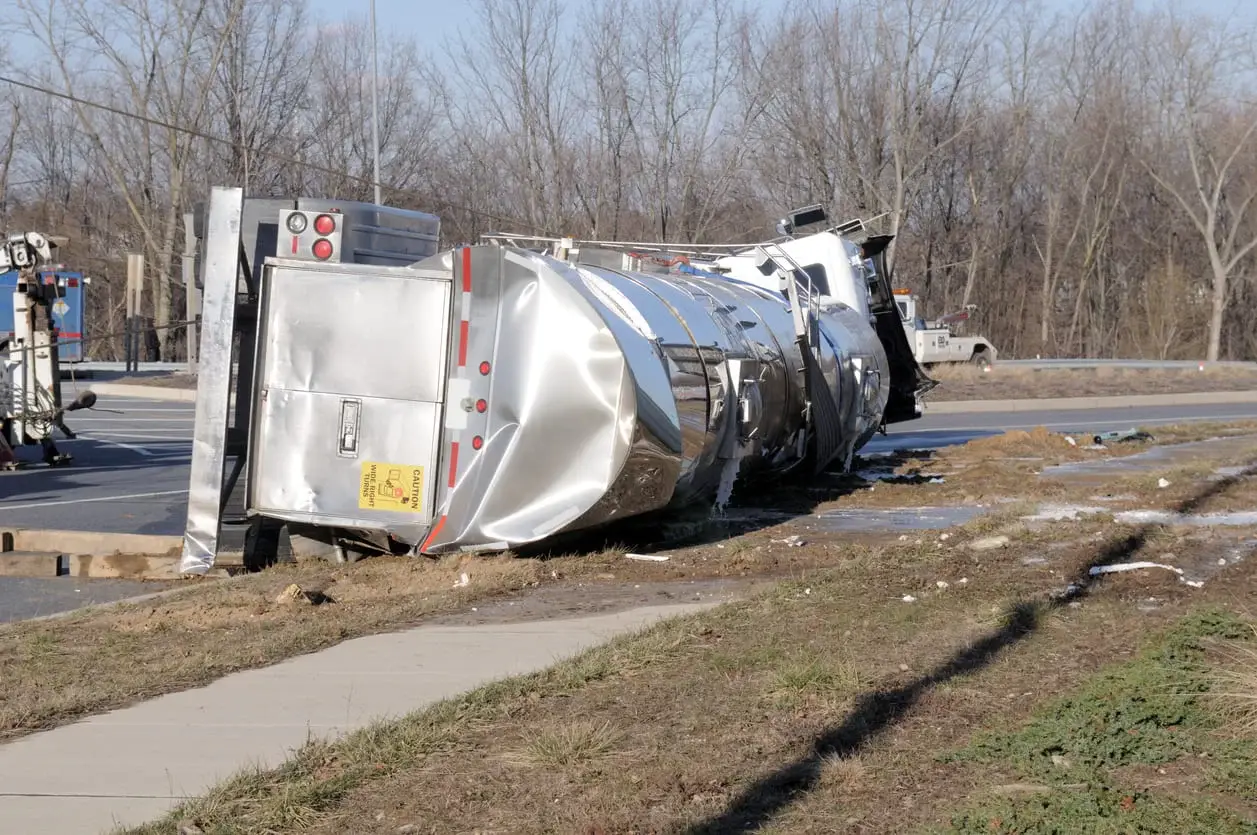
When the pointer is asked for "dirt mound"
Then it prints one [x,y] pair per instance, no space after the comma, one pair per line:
[1018,443]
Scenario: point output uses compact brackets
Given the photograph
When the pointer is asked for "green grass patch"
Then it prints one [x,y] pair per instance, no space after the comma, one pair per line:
[1099,811]
[1150,712]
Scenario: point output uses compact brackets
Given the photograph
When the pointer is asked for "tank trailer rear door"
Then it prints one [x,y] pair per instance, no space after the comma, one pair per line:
[350,393]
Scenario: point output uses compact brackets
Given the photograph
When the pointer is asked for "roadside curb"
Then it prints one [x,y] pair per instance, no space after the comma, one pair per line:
[945,407]
[145,392]
[90,554]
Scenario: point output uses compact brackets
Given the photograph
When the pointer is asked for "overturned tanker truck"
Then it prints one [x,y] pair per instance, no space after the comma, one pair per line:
[370,394]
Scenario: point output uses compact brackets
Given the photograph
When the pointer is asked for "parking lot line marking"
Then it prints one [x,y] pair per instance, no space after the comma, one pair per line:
[139,450]
[136,420]
[122,498]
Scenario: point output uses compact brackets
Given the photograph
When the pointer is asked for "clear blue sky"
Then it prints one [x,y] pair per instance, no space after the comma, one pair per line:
[434,22]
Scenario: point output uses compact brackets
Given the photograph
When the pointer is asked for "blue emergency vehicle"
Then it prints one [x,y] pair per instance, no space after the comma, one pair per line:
[67,312]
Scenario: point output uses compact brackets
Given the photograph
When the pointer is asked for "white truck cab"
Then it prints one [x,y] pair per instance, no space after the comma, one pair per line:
[832,264]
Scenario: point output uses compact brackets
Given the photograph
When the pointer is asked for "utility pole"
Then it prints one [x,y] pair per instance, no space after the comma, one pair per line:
[375,107]
[192,305]
[135,293]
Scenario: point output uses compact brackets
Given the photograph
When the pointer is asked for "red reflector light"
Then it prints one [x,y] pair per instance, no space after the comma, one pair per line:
[477,442]
[72,282]
[322,249]
[482,406]
[324,224]
[484,368]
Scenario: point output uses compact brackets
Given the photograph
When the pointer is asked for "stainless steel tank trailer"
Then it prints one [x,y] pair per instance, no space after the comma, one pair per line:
[374,395]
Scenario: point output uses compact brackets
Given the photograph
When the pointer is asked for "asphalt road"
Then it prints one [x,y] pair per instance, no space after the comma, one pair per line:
[22,598]
[933,431]
[129,474]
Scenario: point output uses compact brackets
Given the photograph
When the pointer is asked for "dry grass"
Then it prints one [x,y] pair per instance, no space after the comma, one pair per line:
[1005,382]
[809,678]
[807,708]
[571,743]
[1234,687]
[1007,466]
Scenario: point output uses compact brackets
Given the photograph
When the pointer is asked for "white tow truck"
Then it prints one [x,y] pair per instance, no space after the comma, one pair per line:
[933,343]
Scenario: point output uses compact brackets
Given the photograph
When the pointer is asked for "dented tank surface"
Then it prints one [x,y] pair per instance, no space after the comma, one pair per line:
[616,393]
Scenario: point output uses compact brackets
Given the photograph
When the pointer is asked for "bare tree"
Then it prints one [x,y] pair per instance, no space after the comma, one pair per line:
[516,90]
[8,147]
[154,53]
[334,130]
[261,86]
[1196,71]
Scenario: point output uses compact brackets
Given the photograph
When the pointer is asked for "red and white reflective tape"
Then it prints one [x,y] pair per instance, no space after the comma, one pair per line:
[464,338]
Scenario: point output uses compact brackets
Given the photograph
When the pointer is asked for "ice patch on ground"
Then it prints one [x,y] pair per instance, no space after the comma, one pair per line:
[1063,513]
[1164,517]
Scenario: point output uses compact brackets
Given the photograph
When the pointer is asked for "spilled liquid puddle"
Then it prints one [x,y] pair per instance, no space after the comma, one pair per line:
[876,520]
[1152,460]
[734,521]
[1071,513]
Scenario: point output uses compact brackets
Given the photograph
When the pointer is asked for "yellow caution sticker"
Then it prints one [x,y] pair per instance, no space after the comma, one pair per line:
[396,488]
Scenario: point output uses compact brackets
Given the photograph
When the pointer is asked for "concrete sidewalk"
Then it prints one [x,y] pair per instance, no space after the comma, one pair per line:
[133,765]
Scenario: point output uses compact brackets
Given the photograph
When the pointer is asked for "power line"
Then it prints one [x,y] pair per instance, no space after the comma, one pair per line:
[209,137]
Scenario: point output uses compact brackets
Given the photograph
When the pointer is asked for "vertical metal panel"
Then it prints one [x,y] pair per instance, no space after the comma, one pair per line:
[205,488]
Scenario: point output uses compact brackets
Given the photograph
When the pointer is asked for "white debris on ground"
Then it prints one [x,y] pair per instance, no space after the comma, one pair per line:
[463,581]
[651,557]
[1062,513]
[728,475]
[1072,513]
[791,541]
[1165,517]
[1222,473]
[990,543]
[907,598]
[1162,483]
[1139,566]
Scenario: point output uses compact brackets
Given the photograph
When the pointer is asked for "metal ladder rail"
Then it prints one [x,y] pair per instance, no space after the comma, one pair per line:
[805,308]
[553,244]
[823,416]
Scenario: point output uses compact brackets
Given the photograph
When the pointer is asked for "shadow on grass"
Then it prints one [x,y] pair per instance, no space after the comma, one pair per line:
[877,711]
